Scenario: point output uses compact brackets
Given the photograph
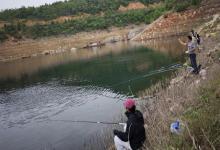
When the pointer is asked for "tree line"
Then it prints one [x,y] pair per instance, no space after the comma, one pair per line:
[66,8]
[110,18]
[90,23]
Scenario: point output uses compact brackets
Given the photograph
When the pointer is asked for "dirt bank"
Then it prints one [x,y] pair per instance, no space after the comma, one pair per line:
[179,23]
[12,50]
[192,99]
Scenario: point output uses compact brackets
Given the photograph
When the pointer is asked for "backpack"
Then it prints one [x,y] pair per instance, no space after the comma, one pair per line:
[197,36]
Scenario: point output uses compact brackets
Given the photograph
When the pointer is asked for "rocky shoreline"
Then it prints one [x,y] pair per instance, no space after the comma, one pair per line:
[14,50]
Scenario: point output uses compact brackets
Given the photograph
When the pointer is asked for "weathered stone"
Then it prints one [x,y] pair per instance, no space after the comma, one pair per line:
[113,39]
[133,33]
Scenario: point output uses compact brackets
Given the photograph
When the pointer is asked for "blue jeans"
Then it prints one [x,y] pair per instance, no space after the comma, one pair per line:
[193,63]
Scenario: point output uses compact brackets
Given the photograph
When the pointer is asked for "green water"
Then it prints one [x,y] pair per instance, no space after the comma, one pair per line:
[104,71]
[80,85]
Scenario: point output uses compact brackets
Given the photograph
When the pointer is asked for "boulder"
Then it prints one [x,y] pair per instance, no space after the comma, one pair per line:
[134,32]
[113,39]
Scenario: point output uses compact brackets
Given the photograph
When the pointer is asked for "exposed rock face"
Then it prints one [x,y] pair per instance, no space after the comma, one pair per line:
[132,6]
[179,23]
[134,32]
[113,39]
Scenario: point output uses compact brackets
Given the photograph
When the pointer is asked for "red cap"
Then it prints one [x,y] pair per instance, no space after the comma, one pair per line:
[129,103]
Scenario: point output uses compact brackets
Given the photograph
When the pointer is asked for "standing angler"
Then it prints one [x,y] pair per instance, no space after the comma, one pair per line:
[191,51]
[134,135]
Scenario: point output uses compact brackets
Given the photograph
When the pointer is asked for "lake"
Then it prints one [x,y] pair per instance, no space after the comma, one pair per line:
[86,84]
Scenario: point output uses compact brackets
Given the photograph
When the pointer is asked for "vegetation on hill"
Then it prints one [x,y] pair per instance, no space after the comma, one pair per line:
[95,22]
[110,17]
[66,8]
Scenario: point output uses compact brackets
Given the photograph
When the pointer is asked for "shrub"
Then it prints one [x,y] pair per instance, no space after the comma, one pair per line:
[182,6]
[3,36]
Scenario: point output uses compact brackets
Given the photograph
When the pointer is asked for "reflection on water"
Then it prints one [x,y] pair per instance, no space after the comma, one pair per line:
[79,85]
[169,46]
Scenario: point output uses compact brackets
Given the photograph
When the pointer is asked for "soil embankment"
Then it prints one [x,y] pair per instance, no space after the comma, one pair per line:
[12,50]
[172,24]
[191,99]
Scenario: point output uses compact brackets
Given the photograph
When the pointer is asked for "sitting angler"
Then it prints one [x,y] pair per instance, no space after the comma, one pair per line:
[134,135]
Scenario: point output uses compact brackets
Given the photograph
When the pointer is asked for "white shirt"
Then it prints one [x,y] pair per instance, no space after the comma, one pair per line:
[191,47]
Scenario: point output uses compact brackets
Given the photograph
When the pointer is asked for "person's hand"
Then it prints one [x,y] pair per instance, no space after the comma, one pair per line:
[187,52]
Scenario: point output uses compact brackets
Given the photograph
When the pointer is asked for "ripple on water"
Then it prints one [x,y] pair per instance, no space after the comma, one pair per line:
[41,102]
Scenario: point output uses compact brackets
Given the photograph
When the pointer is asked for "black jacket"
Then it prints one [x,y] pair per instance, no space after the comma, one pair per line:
[135,130]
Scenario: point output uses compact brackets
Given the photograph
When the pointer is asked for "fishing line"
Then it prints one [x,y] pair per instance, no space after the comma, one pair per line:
[155,72]
[163,69]
[89,122]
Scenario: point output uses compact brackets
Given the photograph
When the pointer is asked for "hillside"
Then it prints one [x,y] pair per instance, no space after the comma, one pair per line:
[177,23]
[20,41]
[73,16]
[67,8]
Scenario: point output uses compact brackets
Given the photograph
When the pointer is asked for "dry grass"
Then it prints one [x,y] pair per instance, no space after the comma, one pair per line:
[181,97]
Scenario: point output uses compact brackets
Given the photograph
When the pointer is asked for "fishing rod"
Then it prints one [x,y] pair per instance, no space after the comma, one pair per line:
[89,122]
[161,70]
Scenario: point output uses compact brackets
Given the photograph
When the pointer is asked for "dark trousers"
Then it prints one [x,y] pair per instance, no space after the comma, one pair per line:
[193,63]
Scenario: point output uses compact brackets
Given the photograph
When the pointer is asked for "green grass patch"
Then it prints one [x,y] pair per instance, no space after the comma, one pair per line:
[203,120]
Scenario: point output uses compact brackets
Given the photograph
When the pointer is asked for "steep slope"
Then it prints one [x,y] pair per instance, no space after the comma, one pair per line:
[178,23]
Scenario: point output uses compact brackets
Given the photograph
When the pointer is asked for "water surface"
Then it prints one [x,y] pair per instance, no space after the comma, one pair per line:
[81,85]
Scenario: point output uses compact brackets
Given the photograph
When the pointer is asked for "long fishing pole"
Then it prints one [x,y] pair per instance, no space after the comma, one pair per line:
[161,70]
[151,73]
[89,122]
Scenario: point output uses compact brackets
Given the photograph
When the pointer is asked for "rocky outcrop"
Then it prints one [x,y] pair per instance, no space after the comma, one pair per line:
[180,23]
[113,39]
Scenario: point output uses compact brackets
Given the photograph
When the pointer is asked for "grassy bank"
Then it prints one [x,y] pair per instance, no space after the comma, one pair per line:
[194,100]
